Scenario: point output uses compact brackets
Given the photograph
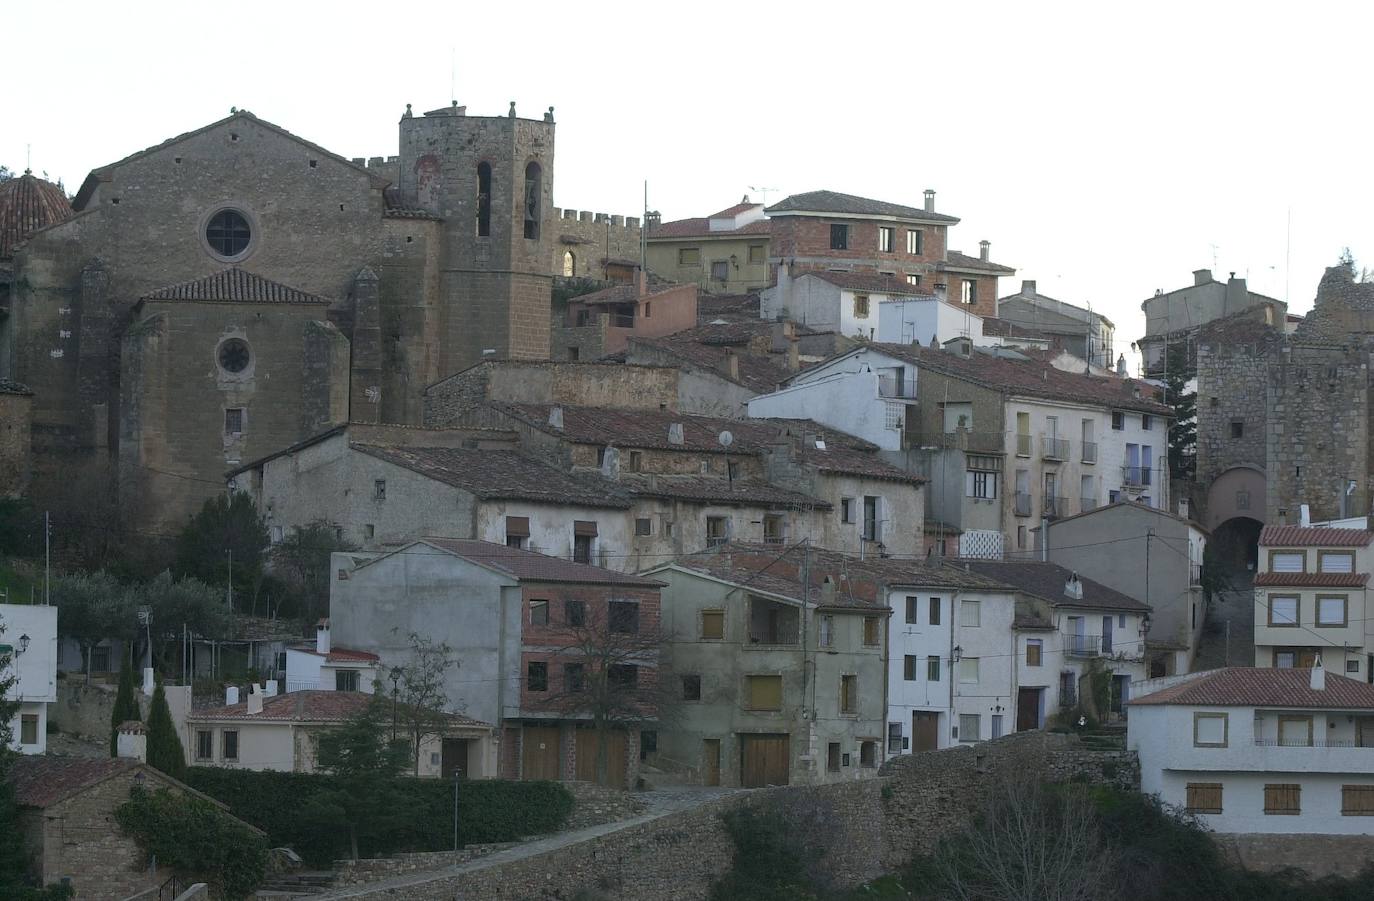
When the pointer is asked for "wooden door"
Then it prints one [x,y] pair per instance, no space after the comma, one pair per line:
[1295,731]
[710,761]
[1365,726]
[539,752]
[925,731]
[1027,709]
[455,758]
[764,760]
[615,757]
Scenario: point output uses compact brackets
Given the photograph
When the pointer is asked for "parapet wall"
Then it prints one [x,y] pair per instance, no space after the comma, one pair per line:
[591,238]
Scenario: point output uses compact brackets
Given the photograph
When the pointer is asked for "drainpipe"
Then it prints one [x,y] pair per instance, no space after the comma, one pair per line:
[953,602]
[1044,539]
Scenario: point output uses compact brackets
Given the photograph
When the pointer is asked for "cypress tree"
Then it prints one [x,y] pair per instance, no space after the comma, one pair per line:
[125,705]
[164,748]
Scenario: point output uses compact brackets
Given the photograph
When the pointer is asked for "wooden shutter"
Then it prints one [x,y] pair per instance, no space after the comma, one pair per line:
[1204,797]
[713,624]
[1283,799]
[582,527]
[765,692]
[1357,800]
[517,526]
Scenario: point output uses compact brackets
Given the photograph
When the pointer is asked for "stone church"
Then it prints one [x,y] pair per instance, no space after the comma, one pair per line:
[236,289]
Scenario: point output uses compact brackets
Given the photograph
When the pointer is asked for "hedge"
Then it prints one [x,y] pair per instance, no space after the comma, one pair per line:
[420,814]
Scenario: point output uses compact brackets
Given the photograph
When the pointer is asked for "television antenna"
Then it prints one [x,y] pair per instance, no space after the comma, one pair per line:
[762,191]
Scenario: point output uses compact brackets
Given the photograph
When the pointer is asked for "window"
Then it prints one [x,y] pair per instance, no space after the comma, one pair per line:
[909,665]
[582,548]
[533,198]
[636,460]
[1295,731]
[233,421]
[772,528]
[1146,421]
[1237,428]
[569,264]
[574,354]
[970,291]
[839,237]
[915,244]
[379,490]
[1284,799]
[912,605]
[622,675]
[832,757]
[1204,797]
[713,625]
[1352,666]
[872,631]
[1332,610]
[764,692]
[647,312]
[1118,421]
[100,660]
[1210,730]
[1287,561]
[982,484]
[934,611]
[1035,651]
[970,613]
[689,256]
[644,526]
[871,524]
[205,744]
[860,306]
[575,613]
[969,727]
[968,670]
[537,676]
[849,694]
[1283,611]
[346,680]
[1335,562]
[884,239]
[772,623]
[1357,800]
[369,531]
[623,617]
[717,530]
[826,638]
[913,280]
[574,677]
[997,725]
[894,738]
[234,355]
[539,613]
[28,729]
[868,753]
[691,688]
[230,744]
[648,743]
[846,509]
[757,253]
[228,233]
[720,270]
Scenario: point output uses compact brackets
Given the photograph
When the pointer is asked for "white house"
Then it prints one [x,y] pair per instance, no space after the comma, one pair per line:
[28,650]
[844,302]
[327,668]
[1260,750]
[925,319]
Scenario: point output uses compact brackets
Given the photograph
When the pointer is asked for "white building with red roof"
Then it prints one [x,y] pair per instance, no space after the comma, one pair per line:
[328,668]
[1259,750]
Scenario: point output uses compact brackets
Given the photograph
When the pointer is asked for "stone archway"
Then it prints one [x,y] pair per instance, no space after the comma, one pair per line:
[1239,491]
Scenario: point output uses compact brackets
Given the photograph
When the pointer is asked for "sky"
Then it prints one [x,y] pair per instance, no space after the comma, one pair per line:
[1105,149]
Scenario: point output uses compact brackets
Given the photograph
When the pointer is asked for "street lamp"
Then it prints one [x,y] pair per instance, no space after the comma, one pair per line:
[23,643]
[395,695]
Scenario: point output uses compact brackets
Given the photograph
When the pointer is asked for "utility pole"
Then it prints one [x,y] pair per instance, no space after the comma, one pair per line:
[1149,533]
[47,557]
[455,810]
[231,580]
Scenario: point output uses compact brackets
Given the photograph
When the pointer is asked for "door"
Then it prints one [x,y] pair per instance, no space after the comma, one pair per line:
[1078,628]
[710,761]
[1295,731]
[455,758]
[539,752]
[1028,709]
[763,760]
[925,731]
[615,757]
[1366,731]
[1107,634]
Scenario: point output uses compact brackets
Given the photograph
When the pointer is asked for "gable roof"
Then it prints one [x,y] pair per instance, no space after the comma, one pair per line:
[500,474]
[234,285]
[867,281]
[1248,686]
[849,204]
[1134,507]
[700,227]
[44,780]
[1047,580]
[310,706]
[956,260]
[29,203]
[529,566]
[1313,536]
[707,346]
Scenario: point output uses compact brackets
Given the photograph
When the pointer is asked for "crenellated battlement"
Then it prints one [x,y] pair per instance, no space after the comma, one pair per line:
[587,216]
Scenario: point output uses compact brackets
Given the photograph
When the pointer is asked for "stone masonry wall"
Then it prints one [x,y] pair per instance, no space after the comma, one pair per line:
[1233,357]
[587,236]
[15,452]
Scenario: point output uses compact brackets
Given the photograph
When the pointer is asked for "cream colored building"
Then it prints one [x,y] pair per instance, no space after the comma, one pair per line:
[724,253]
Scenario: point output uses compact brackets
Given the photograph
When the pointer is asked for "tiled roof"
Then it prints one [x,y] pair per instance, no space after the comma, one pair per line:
[307,707]
[706,489]
[868,281]
[529,566]
[707,347]
[700,227]
[727,306]
[41,781]
[9,387]
[835,202]
[1001,328]
[393,208]
[500,474]
[1244,686]
[838,458]
[235,285]
[1047,581]
[342,655]
[28,203]
[1313,536]
[1311,580]
[1032,378]
[956,260]
[735,210]
[623,293]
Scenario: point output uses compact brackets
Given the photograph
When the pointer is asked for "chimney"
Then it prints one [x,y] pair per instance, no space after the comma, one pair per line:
[1028,287]
[675,431]
[1073,589]
[1183,508]
[131,742]
[983,247]
[271,688]
[827,591]
[653,219]
[254,699]
[1201,276]
[941,291]
[1121,369]
[732,364]
[793,355]
[556,417]
[1317,677]
[322,637]
[610,463]
[231,696]
[1304,515]
[642,280]
[930,200]
[1237,295]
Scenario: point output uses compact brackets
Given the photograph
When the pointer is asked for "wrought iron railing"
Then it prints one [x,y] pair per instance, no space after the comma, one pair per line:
[1089,451]
[1135,476]
[1054,448]
[1022,504]
[1023,445]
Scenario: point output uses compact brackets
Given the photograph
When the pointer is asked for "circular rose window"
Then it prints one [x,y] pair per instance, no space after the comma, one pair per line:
[228,233]
[234,355]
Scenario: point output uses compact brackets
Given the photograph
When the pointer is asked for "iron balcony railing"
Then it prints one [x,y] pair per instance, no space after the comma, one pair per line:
[1135,476]
[978,442]
[622,321]
[1022,504]
[1054,448]
[1086,646]
[889,386]
[1089,451]
[1087,503]
[1314,743]
[1056,507]
[1023,445]
[1195,574]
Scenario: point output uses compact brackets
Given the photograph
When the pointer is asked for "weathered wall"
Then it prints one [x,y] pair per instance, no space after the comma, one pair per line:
[1319,855]
[646,387]
[15,442]
[591,238]
[1233,357]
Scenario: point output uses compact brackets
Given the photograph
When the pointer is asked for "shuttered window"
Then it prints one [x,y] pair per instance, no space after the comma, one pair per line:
[1336,561]
[1286,561]
[1204,797]
[849,694]
[1283,799]
[713,624]
[872,631]
[1034,651]
[1357,800]
[765,692]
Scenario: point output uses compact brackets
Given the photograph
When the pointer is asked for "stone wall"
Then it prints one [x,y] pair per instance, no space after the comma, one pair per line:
[588,236]
[1233,357]
[15,445]
[84,710]
[1319,855]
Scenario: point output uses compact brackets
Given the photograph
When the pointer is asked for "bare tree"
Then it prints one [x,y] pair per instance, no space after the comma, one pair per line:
[420,692]
[1033,842]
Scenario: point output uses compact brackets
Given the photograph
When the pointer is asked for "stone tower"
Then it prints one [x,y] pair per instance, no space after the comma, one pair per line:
[490,180]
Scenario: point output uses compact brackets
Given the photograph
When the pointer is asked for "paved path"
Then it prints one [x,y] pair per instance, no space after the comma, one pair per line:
[1237,608]
[659,803]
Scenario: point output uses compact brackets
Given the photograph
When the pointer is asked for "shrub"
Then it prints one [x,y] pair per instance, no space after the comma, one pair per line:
[768,863]
[288,807]
[164,748]
[194,836]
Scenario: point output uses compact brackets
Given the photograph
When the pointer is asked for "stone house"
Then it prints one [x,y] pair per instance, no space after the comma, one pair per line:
[648,385]
[514,619]
[16,447]
[603,322]
[1081,332]
[28,651]
[724,253]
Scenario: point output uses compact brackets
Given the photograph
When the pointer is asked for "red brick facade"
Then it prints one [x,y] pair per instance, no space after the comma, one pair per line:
[804,243]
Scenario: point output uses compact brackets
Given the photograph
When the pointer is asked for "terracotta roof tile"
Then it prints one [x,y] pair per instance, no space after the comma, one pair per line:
[1047,581]
[1313,536]
[1311,580]
[235,285]
[533,567]
[306,707]
[705,489]
[956,260]
[1243,686]
[700,227]
[27,204]
[835,202]
[868,281]
[1001,328]
[41,781]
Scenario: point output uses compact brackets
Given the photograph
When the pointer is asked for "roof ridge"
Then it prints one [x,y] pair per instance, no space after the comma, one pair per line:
[236,285]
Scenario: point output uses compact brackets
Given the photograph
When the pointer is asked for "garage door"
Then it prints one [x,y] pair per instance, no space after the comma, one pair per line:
[763,760]
[615,756]
[539,752]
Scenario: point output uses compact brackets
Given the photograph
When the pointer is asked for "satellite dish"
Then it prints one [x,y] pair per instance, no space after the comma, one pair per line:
[725,438]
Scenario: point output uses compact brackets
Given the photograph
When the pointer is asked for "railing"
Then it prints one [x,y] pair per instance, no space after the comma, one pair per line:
[1068,694]
[1056,507]
[1195,574]
[1314,743]
[1087,503]
[716,540]
[1089,451]
[1023,445]
[978,442]
[301,685]
[621,321]
[889,386]
[1135,476]
[1085,646]
[1022,504]
[1054,448]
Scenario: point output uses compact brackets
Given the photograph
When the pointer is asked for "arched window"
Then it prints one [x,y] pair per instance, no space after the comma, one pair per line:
[569,264]
[533,192]
[483,199]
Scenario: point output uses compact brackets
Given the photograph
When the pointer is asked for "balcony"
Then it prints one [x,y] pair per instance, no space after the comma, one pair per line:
[1195,574]
[1135,476]
[1023,445]
[977,442]
[899,389]
[621,321]
[1087,503]
[1056,507]
[1022,504]
[1054,448]
[1086,647]
[1089,451]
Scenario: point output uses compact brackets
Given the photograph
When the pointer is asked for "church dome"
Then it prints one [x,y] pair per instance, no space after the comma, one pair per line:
[28,203]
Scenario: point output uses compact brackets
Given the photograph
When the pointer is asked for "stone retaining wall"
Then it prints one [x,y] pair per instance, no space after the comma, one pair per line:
[1319,855]
[595,804]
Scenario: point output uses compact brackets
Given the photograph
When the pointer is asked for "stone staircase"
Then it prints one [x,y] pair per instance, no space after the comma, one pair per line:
[300,884]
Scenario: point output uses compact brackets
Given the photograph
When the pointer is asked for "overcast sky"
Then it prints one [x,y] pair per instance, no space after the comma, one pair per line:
[1105,149]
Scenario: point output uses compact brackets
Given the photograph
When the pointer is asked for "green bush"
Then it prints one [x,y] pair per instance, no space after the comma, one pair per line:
[288,807]
[195,837]
[768,862]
